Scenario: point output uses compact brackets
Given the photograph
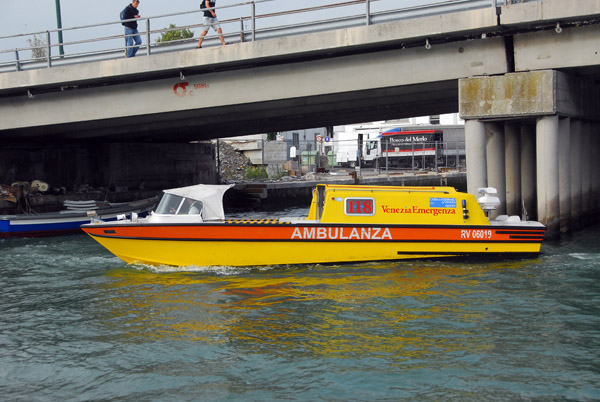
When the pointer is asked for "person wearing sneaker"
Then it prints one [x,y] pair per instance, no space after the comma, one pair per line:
[210,20]
[131,31]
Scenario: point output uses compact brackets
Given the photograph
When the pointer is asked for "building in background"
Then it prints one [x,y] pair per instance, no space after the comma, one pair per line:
[439,142]
[347,145]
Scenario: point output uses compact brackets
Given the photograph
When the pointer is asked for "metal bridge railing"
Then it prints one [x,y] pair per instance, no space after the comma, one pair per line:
[241,22]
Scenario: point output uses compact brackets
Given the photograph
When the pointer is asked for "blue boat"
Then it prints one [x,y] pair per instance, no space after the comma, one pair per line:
[70,220]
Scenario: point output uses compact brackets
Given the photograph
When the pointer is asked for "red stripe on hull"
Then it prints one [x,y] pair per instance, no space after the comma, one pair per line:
[320,232]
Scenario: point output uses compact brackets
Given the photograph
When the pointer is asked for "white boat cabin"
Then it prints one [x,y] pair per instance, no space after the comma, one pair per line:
[202,202]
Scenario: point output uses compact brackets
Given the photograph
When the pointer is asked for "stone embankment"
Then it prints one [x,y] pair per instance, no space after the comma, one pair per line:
[233,164]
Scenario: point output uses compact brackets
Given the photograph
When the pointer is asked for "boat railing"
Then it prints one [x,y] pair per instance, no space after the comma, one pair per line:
[392,190]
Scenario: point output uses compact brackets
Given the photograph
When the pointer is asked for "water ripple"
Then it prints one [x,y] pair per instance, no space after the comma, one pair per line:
[78,324]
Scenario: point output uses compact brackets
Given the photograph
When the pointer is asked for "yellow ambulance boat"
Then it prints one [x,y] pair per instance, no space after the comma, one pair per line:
[345,224]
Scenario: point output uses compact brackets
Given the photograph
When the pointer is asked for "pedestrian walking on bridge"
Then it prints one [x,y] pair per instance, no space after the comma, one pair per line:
[210,20]
[131,31]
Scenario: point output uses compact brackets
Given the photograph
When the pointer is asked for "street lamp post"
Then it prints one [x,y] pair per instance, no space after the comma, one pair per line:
[59,26]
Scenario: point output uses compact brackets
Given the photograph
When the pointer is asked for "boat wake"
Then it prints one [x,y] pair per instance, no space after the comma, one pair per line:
[585,256]
[220,270]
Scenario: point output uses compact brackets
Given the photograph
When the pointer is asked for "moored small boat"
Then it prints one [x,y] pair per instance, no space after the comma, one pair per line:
[70,220]
[345,223]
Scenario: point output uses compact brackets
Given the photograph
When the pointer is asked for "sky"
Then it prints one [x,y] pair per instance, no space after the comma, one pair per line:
[20,16]
[26,17]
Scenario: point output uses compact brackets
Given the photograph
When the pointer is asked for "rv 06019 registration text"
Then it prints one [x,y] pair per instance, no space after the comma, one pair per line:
[476,234]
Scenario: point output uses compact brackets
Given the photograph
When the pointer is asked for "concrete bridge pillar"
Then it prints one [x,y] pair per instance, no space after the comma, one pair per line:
[528,175]
[496,166]
[547,174]
[586,172]
[575,174]
[595,169]
[557,158]
[475,155]
[512,144]
[564,177]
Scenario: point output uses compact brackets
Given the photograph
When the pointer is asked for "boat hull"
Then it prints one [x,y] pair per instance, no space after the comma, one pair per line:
[41,227]
[55,224]
[255,244]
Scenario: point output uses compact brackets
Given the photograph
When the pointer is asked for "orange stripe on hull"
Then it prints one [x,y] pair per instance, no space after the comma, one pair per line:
[320,233]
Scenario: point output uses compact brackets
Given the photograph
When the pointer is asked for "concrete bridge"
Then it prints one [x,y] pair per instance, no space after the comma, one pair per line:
[525,77]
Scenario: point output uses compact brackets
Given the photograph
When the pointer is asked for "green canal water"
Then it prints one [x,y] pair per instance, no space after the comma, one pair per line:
[77,323]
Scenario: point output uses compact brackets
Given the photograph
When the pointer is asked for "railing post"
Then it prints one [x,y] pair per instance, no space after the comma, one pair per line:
[412,160]
[49,48]
[148,37]
[387,155]
[262,158]
[17,61]
[368,12]
[253,21]
[497,7]
[435,153]
[242,29]
[457,156]
[125,48]
[61,51]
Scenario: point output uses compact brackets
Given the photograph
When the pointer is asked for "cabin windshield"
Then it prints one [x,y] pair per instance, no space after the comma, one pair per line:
[172,204]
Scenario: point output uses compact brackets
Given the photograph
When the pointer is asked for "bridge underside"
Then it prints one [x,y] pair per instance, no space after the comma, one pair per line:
[259,117]
[197,105]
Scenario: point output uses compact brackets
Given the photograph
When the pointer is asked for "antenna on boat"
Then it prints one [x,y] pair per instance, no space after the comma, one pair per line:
[488,202]
[525,215]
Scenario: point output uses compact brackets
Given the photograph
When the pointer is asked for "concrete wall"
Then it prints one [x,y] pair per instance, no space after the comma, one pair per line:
[272,157]
[122,166]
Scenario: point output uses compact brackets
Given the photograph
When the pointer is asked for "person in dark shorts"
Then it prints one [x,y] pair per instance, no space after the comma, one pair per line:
[210,21]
